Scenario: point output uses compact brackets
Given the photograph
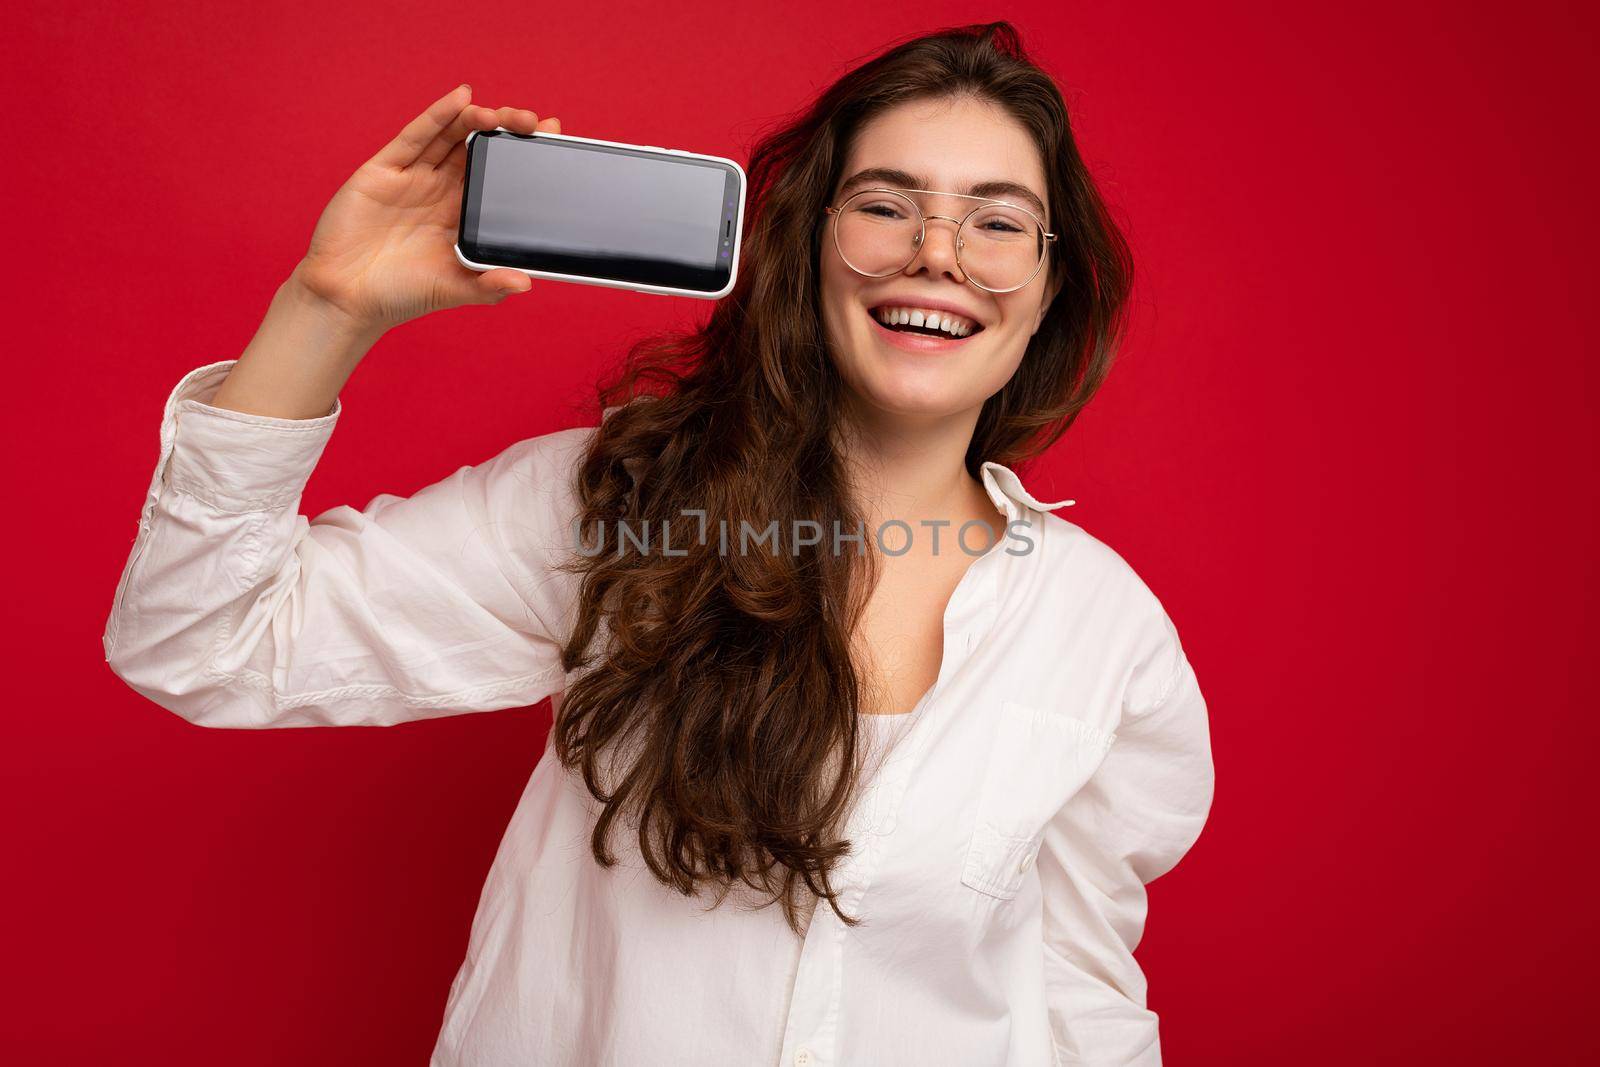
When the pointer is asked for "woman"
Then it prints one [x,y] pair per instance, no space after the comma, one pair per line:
[973,751]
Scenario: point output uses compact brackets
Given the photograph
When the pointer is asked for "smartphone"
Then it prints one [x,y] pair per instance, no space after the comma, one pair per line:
[578,209]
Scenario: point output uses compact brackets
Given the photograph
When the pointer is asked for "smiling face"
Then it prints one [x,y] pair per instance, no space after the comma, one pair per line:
[950,145]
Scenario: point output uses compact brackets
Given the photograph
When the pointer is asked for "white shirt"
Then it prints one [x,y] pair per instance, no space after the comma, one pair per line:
[1061,762]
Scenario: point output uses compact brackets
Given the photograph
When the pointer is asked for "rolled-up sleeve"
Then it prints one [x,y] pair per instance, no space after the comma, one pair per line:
[1133,821]
[235,610]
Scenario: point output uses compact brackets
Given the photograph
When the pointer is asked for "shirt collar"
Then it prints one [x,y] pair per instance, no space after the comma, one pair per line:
[1008,493]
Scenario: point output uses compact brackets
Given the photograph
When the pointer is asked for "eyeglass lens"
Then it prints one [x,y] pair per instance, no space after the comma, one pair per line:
[999,247]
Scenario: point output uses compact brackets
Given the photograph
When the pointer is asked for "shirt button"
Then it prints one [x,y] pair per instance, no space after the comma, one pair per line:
[1027,861]
[803,1057]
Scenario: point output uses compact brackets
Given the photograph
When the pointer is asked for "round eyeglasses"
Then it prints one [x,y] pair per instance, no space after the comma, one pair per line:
[999,246]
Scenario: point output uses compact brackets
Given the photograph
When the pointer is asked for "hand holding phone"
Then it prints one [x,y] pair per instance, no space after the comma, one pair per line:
[383,250]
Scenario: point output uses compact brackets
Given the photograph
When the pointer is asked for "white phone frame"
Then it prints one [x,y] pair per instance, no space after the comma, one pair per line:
[638,287]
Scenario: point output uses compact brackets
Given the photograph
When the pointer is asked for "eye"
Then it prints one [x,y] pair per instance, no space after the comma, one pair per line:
[880,210]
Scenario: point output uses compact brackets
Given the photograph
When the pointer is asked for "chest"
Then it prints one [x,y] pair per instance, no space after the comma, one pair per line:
[900,640]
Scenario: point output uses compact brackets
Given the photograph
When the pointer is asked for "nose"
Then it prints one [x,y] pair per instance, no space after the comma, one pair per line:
[938,253]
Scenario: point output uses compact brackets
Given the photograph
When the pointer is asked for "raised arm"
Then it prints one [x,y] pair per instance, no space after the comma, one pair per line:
[233,609]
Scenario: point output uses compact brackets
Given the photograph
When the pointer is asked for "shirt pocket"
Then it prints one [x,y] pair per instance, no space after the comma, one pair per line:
[1039,760]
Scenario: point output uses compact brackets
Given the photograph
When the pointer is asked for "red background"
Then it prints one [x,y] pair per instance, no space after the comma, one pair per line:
[1349,445]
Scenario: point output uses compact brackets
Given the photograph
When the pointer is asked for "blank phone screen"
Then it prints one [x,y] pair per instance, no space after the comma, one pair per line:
[598,211]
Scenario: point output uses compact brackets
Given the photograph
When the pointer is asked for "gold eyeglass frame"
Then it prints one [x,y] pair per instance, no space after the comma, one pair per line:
[922,231]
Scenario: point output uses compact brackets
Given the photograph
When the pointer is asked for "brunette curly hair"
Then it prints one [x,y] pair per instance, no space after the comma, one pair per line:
[718,711]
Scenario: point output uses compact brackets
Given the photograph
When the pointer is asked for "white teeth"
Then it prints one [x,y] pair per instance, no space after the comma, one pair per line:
[936,320]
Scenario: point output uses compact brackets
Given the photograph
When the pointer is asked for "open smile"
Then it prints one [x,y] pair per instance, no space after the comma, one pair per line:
[919,338]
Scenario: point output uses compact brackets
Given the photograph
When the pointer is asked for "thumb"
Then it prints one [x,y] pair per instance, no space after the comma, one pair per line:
[495,284]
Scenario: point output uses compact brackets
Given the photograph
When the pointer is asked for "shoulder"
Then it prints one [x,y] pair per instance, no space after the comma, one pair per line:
[528,491]
[547,452]
[1086,575]
[525,501]
[1070,557]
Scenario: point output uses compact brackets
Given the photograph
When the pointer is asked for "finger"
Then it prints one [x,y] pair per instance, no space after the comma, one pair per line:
[472,117]
[476,118]
[420,132]
[495,285]
[456,158]
[486,287]
[519,118]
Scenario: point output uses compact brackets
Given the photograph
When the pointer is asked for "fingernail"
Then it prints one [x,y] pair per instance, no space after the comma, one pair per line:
[508,292]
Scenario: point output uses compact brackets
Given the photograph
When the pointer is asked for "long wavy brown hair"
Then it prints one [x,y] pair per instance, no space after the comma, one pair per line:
[716,708]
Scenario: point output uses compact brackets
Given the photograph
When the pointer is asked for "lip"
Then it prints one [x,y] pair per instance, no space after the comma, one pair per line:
[916,342]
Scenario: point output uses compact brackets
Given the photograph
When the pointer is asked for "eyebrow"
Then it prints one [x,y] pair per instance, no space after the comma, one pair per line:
[993,189]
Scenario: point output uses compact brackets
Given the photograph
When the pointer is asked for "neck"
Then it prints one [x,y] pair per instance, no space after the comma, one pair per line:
[910,468]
